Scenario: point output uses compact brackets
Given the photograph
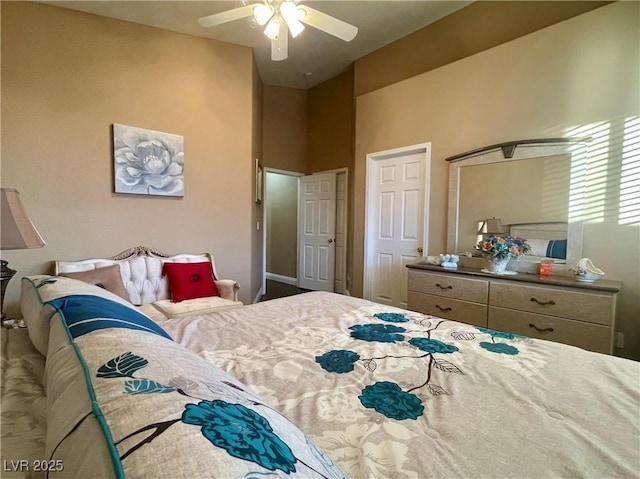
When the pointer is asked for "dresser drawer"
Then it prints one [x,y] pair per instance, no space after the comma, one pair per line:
[449,286]
[583,335]
[463,311]
[569,303]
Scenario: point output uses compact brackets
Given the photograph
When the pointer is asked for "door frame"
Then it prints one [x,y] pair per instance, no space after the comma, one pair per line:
[264,217]
[420,148]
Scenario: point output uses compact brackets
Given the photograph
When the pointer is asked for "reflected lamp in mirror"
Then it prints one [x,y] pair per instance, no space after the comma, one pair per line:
[17,232]
[492,226]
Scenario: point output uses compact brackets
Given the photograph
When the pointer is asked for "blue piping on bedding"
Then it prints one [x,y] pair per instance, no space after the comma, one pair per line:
[97,412]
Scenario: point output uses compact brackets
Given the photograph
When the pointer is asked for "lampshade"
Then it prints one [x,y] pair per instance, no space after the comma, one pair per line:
[492,226]
[18,231]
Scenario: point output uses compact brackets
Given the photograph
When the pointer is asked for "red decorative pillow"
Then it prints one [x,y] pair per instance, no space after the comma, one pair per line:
[190,280]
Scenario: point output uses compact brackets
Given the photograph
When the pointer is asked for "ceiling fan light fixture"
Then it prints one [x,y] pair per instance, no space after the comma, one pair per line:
[273,29]
[290,13]
[262,13]
[289,10]
[279,17]
[295,27]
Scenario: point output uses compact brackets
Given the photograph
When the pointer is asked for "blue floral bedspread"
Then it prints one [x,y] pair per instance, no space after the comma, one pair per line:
[125,400]
[392,393]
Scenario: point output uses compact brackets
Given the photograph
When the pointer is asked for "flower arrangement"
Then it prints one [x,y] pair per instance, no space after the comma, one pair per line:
[503,247]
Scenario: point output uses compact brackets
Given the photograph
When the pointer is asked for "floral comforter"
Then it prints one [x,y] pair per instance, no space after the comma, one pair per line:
[392,393]
[23,405]
[125,400]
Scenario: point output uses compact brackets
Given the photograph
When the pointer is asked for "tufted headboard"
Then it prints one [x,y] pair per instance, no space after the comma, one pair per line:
[141,271]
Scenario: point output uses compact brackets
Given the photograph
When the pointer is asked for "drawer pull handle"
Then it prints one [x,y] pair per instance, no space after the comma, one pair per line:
[543,303]
[444,287]
[444,310]
[546,330]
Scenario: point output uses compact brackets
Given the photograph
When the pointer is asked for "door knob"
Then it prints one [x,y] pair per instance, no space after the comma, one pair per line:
[330,240]
[420,249]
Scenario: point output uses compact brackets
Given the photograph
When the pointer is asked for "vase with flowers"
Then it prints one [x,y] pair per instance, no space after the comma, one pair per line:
[499,250]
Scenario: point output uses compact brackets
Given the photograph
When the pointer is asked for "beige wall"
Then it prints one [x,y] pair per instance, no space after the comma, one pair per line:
[470,30]
[66,78]
[281,197]
[285,128]
[331,116]
[558,81]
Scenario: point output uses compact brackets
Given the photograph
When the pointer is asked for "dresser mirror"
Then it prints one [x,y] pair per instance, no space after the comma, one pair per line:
[535,187]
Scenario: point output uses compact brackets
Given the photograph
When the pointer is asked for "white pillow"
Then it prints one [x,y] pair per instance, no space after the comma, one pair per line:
[538,247]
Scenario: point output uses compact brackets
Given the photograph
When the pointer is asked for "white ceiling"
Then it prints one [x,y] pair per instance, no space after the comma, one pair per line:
[314,52]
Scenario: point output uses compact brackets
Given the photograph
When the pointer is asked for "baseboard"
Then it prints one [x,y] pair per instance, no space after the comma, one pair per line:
[282,279]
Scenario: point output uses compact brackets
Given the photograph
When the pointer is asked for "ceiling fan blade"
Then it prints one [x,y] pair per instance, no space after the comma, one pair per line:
[228,16]
[280,46]
[328,24]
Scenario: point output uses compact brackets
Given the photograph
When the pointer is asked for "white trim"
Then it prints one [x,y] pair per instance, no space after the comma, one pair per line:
[257,298]
[282,172]
[346,232]
[334,170]
[420,148]
[282,279]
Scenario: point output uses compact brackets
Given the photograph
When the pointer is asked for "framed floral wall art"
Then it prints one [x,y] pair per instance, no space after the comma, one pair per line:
[148,162]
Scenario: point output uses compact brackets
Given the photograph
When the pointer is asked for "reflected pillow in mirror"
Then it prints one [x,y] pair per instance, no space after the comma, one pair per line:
[548,248]
[557,249]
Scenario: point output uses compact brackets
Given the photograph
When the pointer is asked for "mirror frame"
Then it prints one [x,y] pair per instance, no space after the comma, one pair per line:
[522,150]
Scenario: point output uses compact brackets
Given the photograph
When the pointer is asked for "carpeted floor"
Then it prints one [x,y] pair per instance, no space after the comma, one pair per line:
[275,289]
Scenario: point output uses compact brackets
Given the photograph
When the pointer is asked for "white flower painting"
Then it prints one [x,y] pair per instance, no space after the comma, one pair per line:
[148,162]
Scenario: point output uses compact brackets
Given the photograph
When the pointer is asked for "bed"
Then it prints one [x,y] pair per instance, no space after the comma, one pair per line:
[339,386]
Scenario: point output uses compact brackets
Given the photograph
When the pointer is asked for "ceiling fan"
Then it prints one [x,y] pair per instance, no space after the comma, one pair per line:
[281,17]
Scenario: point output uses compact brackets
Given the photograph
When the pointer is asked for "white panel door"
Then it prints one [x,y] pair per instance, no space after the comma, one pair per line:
[396,220]
[316,232]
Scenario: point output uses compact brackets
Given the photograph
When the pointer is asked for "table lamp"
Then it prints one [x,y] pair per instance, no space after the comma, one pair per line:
[492,226]
[17,232]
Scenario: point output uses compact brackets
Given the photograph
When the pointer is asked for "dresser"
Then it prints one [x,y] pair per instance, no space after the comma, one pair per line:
[555,308]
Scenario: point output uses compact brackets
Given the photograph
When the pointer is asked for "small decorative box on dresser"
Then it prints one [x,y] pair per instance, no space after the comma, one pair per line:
[556,308]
